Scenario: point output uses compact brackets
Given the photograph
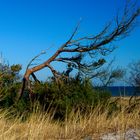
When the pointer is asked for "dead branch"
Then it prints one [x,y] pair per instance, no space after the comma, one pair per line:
[98,45]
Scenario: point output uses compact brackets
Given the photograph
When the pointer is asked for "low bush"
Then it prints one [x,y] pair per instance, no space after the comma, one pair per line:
[66,96]
[62,96]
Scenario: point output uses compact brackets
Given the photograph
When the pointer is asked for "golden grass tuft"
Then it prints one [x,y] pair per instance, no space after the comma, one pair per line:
[41,126]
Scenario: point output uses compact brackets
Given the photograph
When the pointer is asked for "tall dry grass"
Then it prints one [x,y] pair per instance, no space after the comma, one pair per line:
[41,126]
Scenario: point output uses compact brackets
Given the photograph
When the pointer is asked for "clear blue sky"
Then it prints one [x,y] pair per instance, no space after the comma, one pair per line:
[29,26]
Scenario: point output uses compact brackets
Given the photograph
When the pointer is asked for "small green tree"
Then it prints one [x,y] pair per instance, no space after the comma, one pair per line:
[9,83]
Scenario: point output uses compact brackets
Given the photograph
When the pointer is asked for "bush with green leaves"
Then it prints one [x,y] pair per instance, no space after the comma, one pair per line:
[67,95]
[9,84]
[62,96]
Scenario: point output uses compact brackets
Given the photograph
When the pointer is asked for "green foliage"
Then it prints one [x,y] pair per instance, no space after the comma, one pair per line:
[9,74]
[63,96]
[68,95]
[16,68]
[8,95]
[9,84]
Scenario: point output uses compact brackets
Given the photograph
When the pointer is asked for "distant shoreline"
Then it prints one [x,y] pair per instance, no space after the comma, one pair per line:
[122,91]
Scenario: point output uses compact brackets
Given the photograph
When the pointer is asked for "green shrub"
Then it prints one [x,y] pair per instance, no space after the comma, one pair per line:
[68,95]
[62,96]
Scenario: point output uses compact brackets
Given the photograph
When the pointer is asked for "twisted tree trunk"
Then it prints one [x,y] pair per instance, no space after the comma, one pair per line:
[98,45]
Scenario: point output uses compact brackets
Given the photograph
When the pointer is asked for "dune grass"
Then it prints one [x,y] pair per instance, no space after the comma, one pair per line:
[42,126]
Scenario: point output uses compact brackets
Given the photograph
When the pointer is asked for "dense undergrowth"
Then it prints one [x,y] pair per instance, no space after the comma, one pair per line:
[72,93]
[61,98]
[69,109]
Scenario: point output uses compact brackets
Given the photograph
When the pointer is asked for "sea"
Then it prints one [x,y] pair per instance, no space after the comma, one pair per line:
[123,90]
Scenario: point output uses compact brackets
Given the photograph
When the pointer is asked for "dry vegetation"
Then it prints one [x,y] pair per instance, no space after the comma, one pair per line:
[41,126]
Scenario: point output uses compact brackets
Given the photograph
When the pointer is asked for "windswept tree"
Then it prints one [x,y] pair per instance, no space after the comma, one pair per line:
[93,47]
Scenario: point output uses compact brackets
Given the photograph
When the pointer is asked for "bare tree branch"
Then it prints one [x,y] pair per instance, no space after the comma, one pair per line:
[98,45]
